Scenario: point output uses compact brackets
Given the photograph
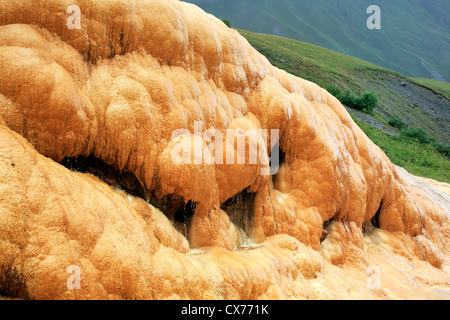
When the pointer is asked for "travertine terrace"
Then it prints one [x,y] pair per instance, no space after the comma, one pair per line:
[335,219]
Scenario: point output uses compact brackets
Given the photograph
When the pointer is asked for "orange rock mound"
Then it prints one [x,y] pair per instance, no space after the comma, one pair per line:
[114,91]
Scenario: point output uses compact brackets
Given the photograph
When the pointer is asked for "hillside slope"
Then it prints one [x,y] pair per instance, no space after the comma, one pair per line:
[413,40]
[420,103]
[417,101]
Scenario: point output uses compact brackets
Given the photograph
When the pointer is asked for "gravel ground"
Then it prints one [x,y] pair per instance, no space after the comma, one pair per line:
[433,104]
[373,122]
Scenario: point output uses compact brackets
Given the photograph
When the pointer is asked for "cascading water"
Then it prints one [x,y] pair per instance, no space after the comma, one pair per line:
[240,209]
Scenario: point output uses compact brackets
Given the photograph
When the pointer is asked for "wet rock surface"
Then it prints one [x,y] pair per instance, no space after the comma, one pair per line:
[112,94]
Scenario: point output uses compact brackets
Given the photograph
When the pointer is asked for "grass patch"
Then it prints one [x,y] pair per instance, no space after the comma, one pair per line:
[398,123]
[312,62]
[419,159]
[419,135]
[435,85]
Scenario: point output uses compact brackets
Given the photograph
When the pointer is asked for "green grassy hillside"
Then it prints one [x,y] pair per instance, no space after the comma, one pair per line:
[313,62]
[438,86]
[413,100]
[419,103]
[413,40]
[416,158]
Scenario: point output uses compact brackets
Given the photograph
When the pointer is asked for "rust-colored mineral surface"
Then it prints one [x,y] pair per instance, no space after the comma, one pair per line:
[87,176]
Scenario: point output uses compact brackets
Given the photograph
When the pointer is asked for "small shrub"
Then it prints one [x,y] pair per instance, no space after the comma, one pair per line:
[334,91]
[367,101]
[398,123]
[445,150]
[349,99]
[227,22]
[419,135]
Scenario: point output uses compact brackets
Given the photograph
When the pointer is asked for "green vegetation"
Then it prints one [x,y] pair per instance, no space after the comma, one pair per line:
[348,99]
[314,63]
[415,148]
[227,22]
[366,102]
[437,86]
[398,123]
[418,135]
[419,159]
[332,69]
[445,150]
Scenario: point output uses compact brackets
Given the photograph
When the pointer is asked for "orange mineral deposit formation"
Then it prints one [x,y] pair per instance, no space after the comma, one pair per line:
[89,100]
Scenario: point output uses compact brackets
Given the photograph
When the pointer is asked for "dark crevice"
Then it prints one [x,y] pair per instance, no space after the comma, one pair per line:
[185,213]
[240,209]
[87,53]
[374,222]
[12,282]
[376,218]
[282,155]
[107,173]
[112,45]
[325,226]
[281,160]
[176,208]
[121,36]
